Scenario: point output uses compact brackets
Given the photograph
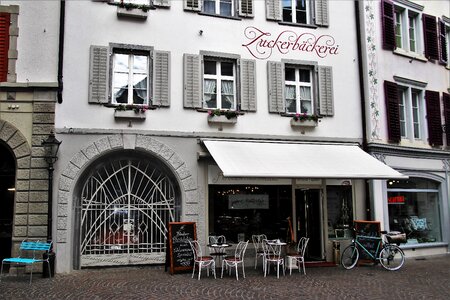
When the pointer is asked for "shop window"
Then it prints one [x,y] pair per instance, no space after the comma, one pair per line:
[414,209]
[223,8]
[309,13]
[340,211]
[127,74]
[239,211]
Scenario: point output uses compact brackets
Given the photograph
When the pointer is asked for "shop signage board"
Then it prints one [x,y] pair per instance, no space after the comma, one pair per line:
[248,201]
[180,254]
[368,230]
[396,200]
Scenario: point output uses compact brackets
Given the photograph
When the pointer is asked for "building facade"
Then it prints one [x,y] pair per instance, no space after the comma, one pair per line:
[407,83]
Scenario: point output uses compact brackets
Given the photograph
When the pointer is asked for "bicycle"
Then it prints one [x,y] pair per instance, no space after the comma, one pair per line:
[390,256]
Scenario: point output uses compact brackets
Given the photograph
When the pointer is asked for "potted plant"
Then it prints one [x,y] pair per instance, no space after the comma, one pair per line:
[222,116]
[304,120]
[130,111]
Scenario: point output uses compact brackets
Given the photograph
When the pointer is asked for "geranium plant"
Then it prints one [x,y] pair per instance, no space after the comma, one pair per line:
[305,117]
[130,6]
[137,108]
[227,113]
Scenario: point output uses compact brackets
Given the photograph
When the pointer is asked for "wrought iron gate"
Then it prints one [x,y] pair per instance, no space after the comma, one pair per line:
[125,207]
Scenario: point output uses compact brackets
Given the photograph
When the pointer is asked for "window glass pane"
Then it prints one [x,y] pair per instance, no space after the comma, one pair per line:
[412,34]
[140,63]
[226,8]
[121,62]
[287,10]
[210,93]
[291,106]
[227,94]
[209,6]
[121,95]
[305,107]
[210,67]
[289,74]
[340,211]
[226,68]
[305,75]
[301,13]
[398,29]
[140,89]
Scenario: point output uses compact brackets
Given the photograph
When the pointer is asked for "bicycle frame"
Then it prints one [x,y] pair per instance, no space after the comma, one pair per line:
[361,246]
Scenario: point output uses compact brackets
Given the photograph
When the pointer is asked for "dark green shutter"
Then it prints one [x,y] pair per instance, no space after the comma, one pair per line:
[434,118]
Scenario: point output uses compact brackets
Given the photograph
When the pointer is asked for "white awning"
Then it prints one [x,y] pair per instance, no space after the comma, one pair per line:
[295,160]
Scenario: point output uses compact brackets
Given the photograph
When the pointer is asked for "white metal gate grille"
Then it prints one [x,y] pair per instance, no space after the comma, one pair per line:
[125,207]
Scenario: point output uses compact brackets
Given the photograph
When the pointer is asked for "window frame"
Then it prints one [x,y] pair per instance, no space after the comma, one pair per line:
[293,6]
[406,13]
[297,83]
[219,79]
[408,130]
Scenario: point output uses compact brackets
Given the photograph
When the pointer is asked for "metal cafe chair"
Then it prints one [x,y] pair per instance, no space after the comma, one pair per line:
[257,240]
[203,262]
[299,256]
[272,254]
[230,262]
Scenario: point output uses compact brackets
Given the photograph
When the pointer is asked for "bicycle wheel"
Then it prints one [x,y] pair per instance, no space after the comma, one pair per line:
[349,257]
[392,257]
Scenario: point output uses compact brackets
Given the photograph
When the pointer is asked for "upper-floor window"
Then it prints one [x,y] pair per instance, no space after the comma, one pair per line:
[9,33]
[444,41]
[4,45]
[224,8]
[300,88]
[300,12]
[411,112]
[129,74]
[222,81]
[406,23]
[219,84]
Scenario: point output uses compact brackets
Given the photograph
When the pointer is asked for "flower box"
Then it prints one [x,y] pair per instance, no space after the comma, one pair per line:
[221,119]
[131,13]
[129,114]
[303,123]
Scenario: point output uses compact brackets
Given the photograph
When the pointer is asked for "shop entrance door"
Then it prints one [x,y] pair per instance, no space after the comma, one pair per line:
[309,221]
[7,190]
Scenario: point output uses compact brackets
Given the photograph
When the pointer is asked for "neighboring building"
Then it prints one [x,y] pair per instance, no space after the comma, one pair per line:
[28,92]
[407,86]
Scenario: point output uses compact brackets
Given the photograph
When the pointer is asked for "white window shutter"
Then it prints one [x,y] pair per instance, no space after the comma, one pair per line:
[248,84]
[321,10]
[161,78]
[246,8]
[273,10]
[193,5]
[326,105]
[192,81]
[161,3]
[275,84]
[98,74]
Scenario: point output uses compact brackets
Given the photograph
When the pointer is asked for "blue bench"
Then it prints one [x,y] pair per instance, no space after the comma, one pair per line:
[30,253]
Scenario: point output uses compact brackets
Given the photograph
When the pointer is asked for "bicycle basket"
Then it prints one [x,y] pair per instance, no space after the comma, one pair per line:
[396,237]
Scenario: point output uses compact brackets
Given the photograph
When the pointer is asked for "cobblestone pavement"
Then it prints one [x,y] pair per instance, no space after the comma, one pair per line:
[418,279]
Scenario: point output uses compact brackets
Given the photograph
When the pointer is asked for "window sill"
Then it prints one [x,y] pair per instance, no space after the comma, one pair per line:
[220,16]
[129,114]
[132,13]
[303,123]
[222,120]
[409,54]
[312,26]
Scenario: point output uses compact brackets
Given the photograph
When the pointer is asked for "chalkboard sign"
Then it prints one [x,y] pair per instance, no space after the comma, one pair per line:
[180,252]
[368,232]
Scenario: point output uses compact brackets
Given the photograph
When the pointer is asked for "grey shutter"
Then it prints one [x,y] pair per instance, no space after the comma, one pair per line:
[246,8]
[192,81]
[273,10]
[248,84]
[98,74]
[276,86]
[326,91]
[161,83]
[193,5]
[321,12]
[161,3]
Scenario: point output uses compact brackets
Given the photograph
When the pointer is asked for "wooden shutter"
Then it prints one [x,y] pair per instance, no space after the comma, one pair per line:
[446,101]
[248,84]
[273,10]
[246,8]
[161,82]
[321,12]
[392,111]
[388,23]
[430,36]
[5,19]
[434,118]
[276,86]
[443,57]
[98,74]
[193,5]
[161,3]
[192,81]
[326,106]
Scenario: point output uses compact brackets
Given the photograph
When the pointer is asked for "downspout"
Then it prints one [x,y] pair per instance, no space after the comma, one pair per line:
[62,16]
[362,99]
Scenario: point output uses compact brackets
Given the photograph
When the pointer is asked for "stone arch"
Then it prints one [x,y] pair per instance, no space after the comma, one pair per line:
[81,160]
[17,142]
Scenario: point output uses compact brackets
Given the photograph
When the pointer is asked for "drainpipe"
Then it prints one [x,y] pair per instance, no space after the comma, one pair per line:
[362,98]
[62,15]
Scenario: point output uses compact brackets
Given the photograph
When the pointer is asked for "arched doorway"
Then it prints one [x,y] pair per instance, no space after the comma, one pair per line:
[126,200]
[7,191]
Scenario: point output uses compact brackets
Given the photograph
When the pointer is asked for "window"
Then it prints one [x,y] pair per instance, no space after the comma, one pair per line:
[9,31]
[410,112]
[406,24]
[414,209]
[219,76]
[305,12]
[298,90]
[225,8]
[126,74]
[4,45]
[219,81]
[444,42]
[130,78]
[302,87]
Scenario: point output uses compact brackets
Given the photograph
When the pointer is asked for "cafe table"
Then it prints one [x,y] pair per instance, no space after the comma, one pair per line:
[218,251]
